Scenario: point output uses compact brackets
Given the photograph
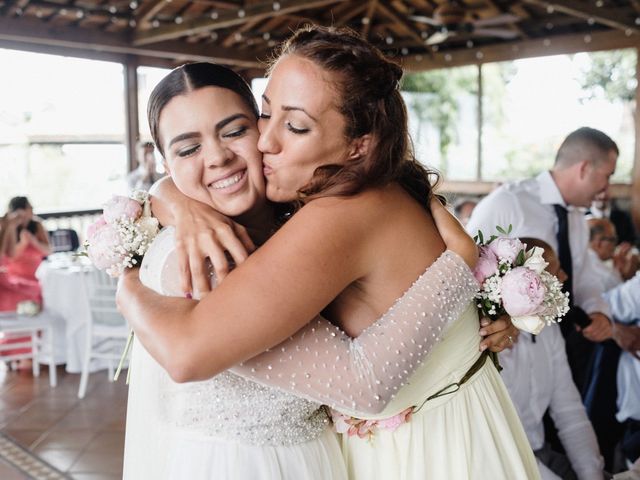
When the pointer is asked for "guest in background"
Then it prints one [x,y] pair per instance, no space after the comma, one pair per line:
[625,307]
[27,244]
[551,207]
[464,209]
[602,246]
[537,375]
[603,206]
[146,174]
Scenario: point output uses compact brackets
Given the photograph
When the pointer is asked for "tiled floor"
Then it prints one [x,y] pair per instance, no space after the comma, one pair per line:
[83,438]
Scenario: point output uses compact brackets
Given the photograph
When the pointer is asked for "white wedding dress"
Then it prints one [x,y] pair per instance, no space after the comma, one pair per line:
[222,428]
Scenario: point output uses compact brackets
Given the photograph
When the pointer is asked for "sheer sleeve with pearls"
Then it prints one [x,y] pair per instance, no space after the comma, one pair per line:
[323,364]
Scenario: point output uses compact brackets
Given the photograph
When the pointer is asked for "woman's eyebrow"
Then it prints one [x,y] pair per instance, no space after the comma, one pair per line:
[288,108]
[183,136]
[226,121]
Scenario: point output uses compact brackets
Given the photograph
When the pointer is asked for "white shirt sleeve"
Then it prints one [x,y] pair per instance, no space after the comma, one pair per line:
[501,209]
[624,300]
[587,285]
[570,418]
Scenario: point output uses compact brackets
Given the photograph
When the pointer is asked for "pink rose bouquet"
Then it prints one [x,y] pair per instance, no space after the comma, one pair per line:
[122,235]
[514,281]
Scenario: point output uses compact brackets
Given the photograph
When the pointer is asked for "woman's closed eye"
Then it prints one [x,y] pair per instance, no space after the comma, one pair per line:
[235,132]
[188,151]
[296,130]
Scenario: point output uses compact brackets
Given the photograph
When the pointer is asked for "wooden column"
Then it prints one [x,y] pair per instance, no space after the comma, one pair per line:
[635,175]
[132,129]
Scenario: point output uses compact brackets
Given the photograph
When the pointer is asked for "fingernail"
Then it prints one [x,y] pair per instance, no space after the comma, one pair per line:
[484,323]
[188,295]
[483,332]
[483,347]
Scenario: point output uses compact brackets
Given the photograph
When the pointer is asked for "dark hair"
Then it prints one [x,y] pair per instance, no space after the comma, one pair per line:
[584,137]
[369,99]
[18,203]
[189,77]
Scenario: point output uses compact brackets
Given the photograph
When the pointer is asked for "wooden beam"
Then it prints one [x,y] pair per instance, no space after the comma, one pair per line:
[587,11]
[560,44]
[635,175]
[254,12]
[147,11]
[33,32]
[132,127]
[392,14]
[371,9]
[475,187]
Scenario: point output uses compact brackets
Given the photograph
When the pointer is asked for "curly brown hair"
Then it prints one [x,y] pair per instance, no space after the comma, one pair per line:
[368,87]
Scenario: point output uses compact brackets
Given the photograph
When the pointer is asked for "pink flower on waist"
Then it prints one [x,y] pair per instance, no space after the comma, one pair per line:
[367,428]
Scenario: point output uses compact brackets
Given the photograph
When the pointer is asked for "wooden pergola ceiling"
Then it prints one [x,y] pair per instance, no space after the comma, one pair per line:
[423,34]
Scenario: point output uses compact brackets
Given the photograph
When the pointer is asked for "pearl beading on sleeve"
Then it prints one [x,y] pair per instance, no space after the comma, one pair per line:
[323,364]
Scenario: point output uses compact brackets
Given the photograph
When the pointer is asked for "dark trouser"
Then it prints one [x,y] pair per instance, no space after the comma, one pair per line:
[556,462]
[600,394]
[631,440]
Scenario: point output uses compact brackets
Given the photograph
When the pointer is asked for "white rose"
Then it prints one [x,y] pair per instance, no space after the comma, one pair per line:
[535,261]
[528,323]
[148,225]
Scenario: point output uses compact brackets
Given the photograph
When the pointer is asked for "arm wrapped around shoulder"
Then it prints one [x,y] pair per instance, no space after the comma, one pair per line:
[322,363]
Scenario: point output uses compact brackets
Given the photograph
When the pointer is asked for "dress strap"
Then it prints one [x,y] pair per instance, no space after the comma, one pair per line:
[455,386]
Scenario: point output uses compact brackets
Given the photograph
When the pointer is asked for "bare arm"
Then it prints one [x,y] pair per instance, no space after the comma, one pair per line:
[191,339]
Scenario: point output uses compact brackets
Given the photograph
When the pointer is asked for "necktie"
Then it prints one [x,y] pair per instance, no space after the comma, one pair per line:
[564,251]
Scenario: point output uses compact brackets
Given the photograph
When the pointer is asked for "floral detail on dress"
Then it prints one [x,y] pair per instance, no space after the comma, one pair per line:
[367,428]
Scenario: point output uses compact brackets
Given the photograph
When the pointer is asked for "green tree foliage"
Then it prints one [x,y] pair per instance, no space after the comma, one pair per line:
[610,74]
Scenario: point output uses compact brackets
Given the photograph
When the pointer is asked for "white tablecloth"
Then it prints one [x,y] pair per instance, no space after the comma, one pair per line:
[64,295]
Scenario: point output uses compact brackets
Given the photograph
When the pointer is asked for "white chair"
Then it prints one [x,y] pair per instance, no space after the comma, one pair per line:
[107,330]
[31,330]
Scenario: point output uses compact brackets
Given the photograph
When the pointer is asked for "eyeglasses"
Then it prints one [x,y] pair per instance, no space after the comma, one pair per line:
[613,239]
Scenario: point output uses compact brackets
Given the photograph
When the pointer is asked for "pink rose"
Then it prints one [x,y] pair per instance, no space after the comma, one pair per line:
[95,226]
[505,248]
[121,207]
[486,266]
[394,422]
[522,292]
[103,240]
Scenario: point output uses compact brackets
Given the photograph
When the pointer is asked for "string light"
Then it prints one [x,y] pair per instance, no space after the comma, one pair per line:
[546,42]
[155,23]
[113,9]
[365,20]
[214,15]
[549,26]
[63,11]
[469,44]
[19,11]
[479,55]
[39,13]
[628,32]
[637,21]
[435,48]
[132,23]
[599,3]
[238,36]
[448,57]
[550,9]
[418,58]
[276,6]
[590,21]
[404,51]
[266,35]
[389,40]
[241,13]
[214,35]
[133,5]
[587,39]
[178,20]
[79,14]
[424,34]
[271,43]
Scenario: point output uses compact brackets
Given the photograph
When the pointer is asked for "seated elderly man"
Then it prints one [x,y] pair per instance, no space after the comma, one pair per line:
[613,263]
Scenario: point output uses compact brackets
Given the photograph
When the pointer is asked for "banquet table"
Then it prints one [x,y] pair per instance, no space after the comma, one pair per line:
[64,296]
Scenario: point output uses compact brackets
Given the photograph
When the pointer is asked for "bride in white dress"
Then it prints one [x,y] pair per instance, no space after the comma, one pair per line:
[463,424]
[227,427]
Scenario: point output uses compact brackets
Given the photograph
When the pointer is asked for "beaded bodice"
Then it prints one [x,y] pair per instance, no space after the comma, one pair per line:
[225,406]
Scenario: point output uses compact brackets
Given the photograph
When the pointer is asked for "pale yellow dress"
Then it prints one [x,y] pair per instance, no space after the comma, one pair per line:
[426,343]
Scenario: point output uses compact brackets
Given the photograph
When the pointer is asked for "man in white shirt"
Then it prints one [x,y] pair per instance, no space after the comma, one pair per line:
[624,301]
[538,378]
[584,162]
[602,246]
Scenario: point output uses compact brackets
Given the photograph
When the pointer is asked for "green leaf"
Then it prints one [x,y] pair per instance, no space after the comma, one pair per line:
[481,237]
[520,258]
[500,229]
[510,229]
